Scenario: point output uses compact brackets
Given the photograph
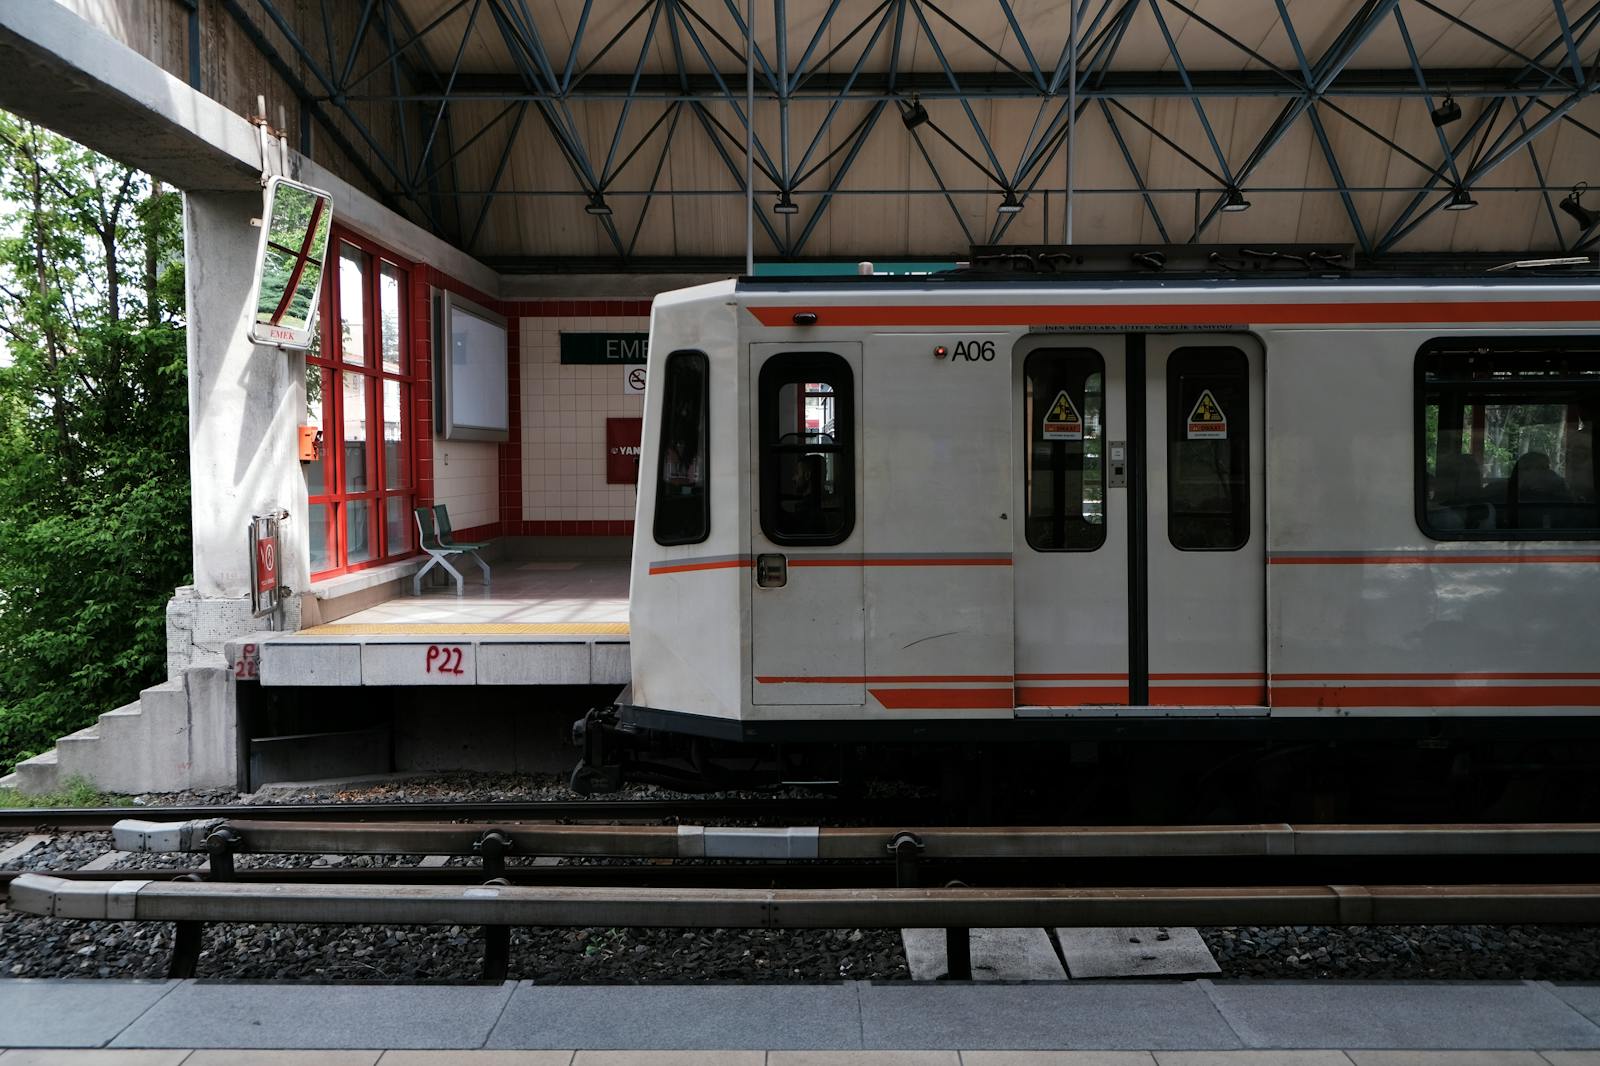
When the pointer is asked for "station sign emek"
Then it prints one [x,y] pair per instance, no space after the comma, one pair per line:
[604,349]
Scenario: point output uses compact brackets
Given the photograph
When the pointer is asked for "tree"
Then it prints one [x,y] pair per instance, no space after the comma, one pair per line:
[94,486]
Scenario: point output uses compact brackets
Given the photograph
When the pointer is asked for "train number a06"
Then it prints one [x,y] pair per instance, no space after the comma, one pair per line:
[973,352]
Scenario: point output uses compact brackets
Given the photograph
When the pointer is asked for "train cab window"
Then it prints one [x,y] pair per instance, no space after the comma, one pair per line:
[1208,449]
[1506,432]
[1065,479]
[807,421]
[683,509]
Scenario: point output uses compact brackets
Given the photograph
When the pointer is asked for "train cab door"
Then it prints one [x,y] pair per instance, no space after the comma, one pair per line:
[936,422]
[1205,457]
[806,616]
[1071,523]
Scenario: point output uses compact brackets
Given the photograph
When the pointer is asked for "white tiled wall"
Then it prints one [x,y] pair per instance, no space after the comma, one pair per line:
[466,477]
[564,412]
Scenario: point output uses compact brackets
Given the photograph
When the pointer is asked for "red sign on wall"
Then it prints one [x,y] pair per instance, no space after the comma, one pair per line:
[622,450]
[267,564]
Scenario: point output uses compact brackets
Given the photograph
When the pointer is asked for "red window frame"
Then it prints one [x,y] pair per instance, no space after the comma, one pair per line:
[340,504]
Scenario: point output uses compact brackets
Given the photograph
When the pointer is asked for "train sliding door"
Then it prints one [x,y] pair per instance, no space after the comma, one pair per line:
[806,617]
[1070,539]
[1139,567]
[1206,617]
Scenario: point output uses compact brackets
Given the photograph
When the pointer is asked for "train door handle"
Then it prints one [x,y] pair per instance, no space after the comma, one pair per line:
[772,571]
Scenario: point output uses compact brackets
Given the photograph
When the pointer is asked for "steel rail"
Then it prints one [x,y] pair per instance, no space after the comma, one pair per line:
[26,819]
[885,908]
[247,836]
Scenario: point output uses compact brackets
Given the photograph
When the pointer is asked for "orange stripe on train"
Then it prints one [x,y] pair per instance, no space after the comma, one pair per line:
[1180,315]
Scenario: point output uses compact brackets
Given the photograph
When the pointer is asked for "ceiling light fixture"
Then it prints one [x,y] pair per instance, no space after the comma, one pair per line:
[785,206]
[1572,206]
[597,205]
[913,115]
[1010,205]
[1233,200]
[1460,200]
[1446,112]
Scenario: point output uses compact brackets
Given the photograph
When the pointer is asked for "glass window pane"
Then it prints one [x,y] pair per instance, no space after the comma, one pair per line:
[1064,472]
[389,309]
[358,531]
[1208,449]
[353,304]
[1508,441]
[319,528]
[683,514]
[356,478]
[807,464]
[318,471]
[399,530]
[396,471]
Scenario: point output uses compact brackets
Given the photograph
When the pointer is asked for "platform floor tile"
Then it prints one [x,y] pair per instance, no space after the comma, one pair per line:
[1573,1058]
[1049,1016]
[736,1017]
[319,1016]
[1379,1015]
[259,1057]
[863,1058]
[31,1010]
[1276,1057]
[1585,998]
[93,1057]
[1060,1058]
[475,1058]
[669,1058]
[1446,1058]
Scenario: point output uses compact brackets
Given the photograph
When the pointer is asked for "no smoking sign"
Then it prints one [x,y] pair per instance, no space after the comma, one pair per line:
[633,381]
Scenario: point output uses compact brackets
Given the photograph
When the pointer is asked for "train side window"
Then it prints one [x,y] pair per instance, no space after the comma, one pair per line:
[1063,406]
[683,504]
[807,427]
[1208,449]
[1506,439]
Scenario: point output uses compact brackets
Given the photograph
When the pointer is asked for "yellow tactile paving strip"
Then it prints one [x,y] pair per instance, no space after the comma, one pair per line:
[497,629]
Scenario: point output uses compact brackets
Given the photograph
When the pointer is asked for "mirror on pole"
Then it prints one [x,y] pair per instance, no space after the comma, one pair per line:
[289,263]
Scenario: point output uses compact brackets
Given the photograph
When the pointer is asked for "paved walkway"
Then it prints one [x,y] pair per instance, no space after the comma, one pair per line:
[816,1025]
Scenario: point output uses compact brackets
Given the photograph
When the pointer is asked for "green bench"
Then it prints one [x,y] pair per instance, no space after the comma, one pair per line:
[434,535]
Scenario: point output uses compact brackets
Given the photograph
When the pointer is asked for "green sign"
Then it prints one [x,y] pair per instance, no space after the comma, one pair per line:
[604,349]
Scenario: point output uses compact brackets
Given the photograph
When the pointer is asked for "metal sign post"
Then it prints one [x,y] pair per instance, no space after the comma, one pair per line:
[265,590]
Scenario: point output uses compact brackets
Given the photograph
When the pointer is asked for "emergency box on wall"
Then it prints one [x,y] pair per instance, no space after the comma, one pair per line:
[310,444]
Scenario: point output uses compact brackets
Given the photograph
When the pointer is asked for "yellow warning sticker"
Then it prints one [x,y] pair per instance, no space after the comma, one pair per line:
[1206,421]
[1062,421]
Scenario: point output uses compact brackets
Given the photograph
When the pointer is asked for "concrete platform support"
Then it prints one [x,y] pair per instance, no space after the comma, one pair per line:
[245,401]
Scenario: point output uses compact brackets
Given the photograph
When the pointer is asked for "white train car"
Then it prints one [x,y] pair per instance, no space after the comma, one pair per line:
[879,509]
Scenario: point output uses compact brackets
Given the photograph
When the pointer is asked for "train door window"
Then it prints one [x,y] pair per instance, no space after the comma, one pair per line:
[1065,480]
[1208,449]
[1506,444]
[683,506]
[807,449]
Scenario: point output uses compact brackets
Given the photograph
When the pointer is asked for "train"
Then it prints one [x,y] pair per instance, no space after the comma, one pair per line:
[996,511]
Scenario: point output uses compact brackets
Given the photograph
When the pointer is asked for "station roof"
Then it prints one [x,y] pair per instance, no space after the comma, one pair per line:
[537,133]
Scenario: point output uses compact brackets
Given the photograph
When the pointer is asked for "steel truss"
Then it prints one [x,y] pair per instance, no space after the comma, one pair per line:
[1510,110]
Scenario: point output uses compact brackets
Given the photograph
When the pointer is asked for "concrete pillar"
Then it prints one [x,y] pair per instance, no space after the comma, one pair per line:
[245,402]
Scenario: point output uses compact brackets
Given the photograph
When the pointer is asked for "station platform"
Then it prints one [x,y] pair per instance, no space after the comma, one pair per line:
[540,622]
[1170,1023]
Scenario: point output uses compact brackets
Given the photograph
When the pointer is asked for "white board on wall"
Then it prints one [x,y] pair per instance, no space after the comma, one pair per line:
[471,383]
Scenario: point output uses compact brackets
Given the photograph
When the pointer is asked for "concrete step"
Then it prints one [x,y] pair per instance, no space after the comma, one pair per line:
[39,774]
[12,780]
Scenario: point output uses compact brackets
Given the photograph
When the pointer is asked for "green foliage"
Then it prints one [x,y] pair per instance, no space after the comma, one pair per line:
[94,488]
[77,792]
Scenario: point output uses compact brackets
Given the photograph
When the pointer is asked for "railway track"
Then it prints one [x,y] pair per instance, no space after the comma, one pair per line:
[101,819]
